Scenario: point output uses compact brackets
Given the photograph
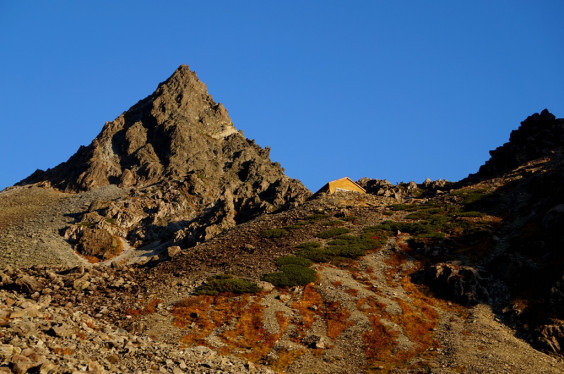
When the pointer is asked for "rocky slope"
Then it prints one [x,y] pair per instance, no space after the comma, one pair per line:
[186,172]
[435,277]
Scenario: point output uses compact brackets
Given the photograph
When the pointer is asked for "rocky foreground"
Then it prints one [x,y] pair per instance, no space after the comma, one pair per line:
[367,314]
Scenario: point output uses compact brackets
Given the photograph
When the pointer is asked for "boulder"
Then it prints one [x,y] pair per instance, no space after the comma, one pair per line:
[551,336]
[462,284]
[172,251]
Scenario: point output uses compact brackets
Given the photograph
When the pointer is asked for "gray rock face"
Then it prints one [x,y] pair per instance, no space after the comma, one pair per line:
[191,174]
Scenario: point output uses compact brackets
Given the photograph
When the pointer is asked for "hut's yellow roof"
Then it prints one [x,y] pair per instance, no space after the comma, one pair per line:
[343,184]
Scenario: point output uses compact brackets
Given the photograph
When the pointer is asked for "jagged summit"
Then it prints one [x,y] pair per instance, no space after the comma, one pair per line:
[191,172]
[161,135]
[538,136]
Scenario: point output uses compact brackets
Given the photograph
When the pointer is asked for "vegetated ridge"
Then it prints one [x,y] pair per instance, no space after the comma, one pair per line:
[237,272]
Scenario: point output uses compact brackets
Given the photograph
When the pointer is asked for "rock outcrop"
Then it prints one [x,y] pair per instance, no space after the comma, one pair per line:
[189,172]
[381,187]
[538,136]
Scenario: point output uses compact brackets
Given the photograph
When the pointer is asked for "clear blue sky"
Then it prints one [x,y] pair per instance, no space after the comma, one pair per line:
[401,90]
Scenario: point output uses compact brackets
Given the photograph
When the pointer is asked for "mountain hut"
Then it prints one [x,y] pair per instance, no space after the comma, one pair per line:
[341,185]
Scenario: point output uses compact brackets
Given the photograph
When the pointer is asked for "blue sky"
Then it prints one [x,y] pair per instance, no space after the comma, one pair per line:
[397,90]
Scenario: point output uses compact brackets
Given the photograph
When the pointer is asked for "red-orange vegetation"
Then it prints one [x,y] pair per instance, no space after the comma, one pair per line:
[423,295]
[117,249]
[308,307]
[379,340]
[282,321]
[240,319]
[194,312]
[395,261]
[90,259]
[361,278]
[249,333]
[147,309]
[418,322]
[351,291]
[90,323]
[337,319]
[286,358]
[62,350]
[336,283]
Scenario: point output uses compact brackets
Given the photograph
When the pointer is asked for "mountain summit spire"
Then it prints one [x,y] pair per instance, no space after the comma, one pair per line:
[184,163]
[160,135]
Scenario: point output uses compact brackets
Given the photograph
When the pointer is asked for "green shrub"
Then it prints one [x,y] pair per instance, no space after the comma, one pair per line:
[350,218]
[332,232]
[273,233]
[315,254]
[315,217]
[347,251]
[425,213]
[292,260]
[226,283]
[471,213]
[471,196]
[376,236]
[335,222]
[291,275]
[309,245]
[431,235]
[404,207]
[295,226]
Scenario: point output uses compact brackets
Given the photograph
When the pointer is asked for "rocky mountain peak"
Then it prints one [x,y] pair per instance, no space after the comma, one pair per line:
[538,136]
[183,160]
[159,136]
[184,95]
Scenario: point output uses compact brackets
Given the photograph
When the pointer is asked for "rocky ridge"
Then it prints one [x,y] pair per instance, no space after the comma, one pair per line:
[537,136]
[186,172]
